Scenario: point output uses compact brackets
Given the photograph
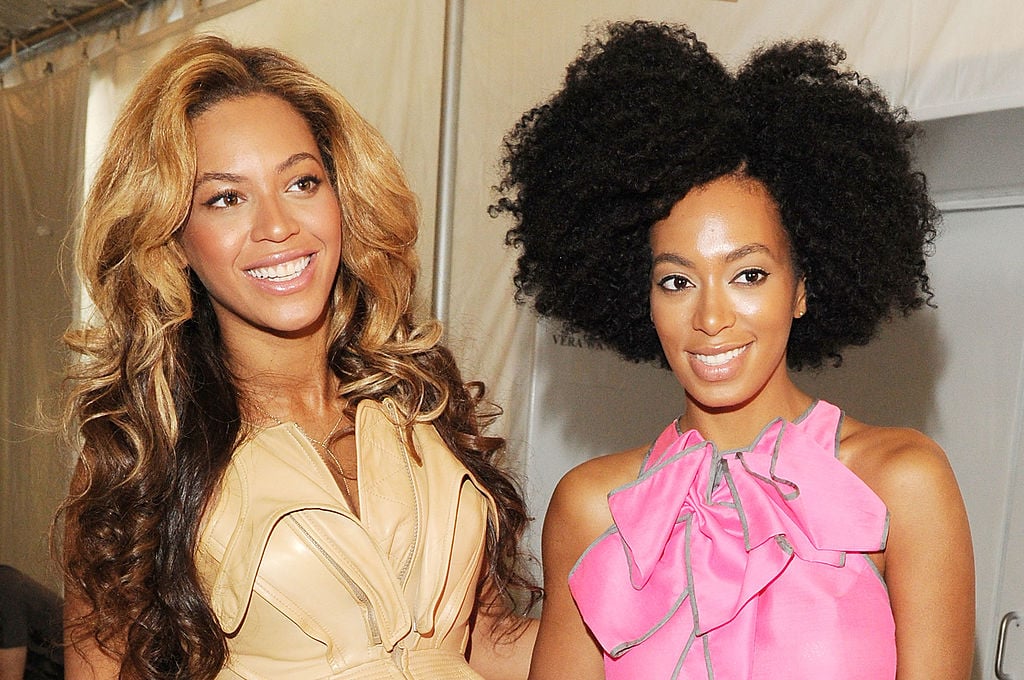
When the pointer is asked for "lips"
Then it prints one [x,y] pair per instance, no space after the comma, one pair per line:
[286,271]
[720,358]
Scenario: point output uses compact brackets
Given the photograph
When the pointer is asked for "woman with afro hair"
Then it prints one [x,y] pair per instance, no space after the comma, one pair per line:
[733,226]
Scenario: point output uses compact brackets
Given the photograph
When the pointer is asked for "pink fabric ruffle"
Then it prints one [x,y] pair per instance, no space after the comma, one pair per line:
[701,533]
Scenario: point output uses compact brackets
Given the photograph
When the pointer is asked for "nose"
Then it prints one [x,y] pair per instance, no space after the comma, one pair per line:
[713,312]
[274,221]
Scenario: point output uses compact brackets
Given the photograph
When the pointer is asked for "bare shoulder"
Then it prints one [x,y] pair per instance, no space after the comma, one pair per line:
[579,505]
[913,477]
[928,534]
[599,476]
[896,462]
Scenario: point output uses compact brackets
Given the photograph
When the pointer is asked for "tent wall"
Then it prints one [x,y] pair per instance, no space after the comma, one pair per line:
[563,402]
[41,159]
[384,55]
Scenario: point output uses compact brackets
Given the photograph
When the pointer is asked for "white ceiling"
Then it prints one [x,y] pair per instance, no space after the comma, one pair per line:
[37,24]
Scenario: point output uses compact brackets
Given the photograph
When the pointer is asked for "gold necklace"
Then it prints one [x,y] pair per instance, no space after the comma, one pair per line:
[323,444]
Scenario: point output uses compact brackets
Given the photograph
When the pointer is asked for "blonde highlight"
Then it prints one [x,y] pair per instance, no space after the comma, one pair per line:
[153,401]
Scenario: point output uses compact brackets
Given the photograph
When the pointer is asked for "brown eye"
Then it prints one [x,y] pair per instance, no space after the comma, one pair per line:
[751,277]
[223,199]
[307,184]
[674,282]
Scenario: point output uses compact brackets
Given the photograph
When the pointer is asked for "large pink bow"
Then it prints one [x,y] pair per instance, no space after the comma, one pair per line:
[708,531]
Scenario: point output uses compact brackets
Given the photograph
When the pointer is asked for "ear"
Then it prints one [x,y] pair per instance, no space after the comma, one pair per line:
[800,306]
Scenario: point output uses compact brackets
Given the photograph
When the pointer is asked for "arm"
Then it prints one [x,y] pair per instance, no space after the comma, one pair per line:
[578,514]
[500,648]
[83,657]
[929,562]
[12,663]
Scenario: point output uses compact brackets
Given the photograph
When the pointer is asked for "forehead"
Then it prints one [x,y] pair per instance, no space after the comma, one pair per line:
[719,217]
[257,121]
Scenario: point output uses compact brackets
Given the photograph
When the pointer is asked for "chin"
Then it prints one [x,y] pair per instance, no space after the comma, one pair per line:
[296,327]
[723,397]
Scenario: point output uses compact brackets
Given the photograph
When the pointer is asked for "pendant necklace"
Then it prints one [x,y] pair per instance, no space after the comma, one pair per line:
[322,444]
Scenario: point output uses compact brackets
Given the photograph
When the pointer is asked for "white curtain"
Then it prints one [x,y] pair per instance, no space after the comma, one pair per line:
[41,134]
[938,57]
[383,55]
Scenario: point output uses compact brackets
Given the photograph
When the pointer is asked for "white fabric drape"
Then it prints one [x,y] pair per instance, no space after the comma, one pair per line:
[384,56]
[938,57]
[41,132]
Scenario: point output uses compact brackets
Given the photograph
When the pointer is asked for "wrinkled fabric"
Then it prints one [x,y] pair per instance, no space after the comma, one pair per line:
[305,589]
[742,564]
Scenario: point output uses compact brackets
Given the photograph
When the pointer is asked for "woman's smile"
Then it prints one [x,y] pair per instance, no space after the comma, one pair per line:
[724,292]
[279,273]
[718,366]
[719,358]
[264,234]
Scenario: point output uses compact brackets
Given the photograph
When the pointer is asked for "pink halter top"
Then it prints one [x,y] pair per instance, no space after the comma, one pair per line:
[742,564]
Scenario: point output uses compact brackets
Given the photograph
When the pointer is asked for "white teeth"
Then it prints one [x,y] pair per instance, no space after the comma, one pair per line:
[719,359]
[285,271]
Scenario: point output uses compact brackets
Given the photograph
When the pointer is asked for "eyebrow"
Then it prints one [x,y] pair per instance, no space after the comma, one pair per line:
[216,177]
[733,256]
[294,159]
[749,249]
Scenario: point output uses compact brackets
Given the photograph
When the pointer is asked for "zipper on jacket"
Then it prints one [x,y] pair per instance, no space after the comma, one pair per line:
[372,627]
[403,570]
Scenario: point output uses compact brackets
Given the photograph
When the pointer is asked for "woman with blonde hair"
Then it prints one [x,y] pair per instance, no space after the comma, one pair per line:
[282,473]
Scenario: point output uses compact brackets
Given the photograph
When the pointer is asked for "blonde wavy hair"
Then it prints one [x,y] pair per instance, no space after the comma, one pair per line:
[153,401]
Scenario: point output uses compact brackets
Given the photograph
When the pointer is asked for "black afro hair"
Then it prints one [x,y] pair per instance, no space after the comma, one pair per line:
[646,114]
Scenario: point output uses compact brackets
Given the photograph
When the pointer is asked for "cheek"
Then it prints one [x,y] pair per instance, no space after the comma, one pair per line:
[669,320]
[333,221]
[770,317]
[202,244]
[770,310]
[321,220]
[773,304]
[332,225]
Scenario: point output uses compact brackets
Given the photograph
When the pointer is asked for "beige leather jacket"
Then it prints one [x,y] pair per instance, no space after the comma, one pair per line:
[305,589]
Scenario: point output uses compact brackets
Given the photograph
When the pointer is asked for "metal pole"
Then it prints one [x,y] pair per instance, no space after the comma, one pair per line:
[444,220]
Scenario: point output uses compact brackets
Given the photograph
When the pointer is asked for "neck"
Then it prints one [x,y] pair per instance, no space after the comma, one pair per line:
[286,376]
[735,427]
